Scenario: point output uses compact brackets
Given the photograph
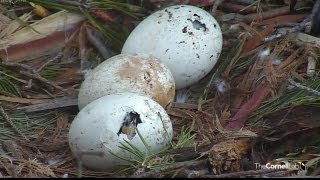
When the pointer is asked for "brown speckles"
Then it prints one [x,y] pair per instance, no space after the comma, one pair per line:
[130,68]
[169,13]
[144,76]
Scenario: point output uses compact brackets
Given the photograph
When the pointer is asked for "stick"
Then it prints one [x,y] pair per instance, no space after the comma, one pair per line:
[300,86]
[266,15]
[296,28]
[42,79]
[184,105]
[58,56]
[52,104]
[244,2]
[238,8]
[19,65]
[20,100]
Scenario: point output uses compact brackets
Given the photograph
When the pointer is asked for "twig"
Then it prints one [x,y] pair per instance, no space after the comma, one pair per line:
[289,24]
[8,98]
[243,173]
[238,8]
[58,56]
[170,167]
[68,2]
[267,14]
[298,85]
[184,105]
[95,39]
[296,28]
[19,65]
[12,77]
[52,104]
[42,79]
[244,2]
[8,120]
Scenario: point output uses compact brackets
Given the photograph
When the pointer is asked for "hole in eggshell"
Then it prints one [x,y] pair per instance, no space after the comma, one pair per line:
[196,15]
[198,25]
[129,124]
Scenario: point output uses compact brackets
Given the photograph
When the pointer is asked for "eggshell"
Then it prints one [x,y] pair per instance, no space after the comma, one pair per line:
[138,73]
[185,38]
[94,130]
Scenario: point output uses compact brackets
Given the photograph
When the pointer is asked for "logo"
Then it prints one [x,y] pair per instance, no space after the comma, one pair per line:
[286,165]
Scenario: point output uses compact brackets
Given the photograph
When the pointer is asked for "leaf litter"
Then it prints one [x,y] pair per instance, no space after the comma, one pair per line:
[260,104]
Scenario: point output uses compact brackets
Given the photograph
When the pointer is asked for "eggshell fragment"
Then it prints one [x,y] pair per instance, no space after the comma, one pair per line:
[138,73]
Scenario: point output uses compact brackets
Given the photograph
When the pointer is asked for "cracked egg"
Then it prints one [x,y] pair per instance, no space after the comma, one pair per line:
[137,73]
[104,123]
[187,39]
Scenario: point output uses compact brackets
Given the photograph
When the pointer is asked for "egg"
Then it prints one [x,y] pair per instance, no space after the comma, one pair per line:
[101,125]
[185,38]
[138,73]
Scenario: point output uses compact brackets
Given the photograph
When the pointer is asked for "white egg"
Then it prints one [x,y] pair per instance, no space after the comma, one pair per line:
[185,38]
[137,73]
[97,129]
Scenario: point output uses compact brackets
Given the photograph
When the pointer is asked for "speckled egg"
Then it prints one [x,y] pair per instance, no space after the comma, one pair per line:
[185,38]
[138,73]
[103,124]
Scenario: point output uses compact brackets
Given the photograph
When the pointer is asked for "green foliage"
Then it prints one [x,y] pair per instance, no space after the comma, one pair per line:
[27,123]
[185,138]
[51,70]
[139,158]
[8,87]
[292,97]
